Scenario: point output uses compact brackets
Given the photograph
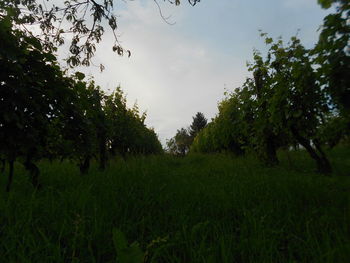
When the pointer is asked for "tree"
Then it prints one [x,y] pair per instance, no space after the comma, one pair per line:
[45,113]
[266,134]
[180,143]
[32,91]
[198,123]
[83,20]
[328,3]
[282,104]
[127,132]
[226,132]
[333,130]
[297,102]
[82,124]
[333,55]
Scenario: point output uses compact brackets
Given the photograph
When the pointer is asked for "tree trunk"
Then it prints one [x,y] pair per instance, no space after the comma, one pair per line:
[269,154]
[3,165]
[323,165]
[271,150]
[103,153]
[85,165]
[10,178]
[267,150]
[33,172]
[326,167]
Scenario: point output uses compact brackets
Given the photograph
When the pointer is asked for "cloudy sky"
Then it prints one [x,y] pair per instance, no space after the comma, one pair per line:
[176,71]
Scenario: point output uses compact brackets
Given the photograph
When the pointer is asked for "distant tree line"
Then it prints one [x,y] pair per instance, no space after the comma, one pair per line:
[295,96]
[180,144]
[47,113]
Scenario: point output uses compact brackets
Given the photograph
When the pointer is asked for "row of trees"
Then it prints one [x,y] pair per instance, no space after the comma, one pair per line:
[296,96]
[47,113]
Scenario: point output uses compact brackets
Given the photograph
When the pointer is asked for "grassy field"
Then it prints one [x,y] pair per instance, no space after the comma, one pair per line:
[212,208]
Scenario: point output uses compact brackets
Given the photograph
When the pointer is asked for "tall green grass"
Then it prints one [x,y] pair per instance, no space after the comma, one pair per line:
[212,208]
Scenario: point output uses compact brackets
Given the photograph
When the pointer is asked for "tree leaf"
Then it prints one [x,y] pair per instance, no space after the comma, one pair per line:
[326,3]
[80,75]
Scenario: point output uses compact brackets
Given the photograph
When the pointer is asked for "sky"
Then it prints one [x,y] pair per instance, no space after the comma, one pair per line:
[178,70]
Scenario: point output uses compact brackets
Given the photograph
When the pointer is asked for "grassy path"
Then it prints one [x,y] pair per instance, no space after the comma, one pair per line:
[196,209]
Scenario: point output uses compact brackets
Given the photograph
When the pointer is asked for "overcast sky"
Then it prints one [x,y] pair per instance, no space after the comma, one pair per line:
[176,71]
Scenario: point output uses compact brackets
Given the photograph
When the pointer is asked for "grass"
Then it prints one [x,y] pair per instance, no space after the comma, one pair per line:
[212,208]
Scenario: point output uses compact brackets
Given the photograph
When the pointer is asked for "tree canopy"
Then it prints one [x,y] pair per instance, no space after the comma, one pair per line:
[81,23]
[180,144]
[198,123]
[285,103]
[292,98]
[47,113]
[333,54]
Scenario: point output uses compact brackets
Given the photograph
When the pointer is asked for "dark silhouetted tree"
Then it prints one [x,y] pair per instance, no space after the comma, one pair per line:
[32,93]
[198,123]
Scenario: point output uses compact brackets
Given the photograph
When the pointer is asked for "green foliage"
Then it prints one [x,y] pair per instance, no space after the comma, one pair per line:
[125,253]
[203,142]
[298,102]
[127,133]
[332,55]
[326,3]
[280,106]
[32,92]
[334,130]
[291,92]
[180,143]
[45,113]
[82,124]
[225,132]
[198,123]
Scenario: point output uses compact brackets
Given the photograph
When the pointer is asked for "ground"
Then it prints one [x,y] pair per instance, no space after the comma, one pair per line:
[201,208]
